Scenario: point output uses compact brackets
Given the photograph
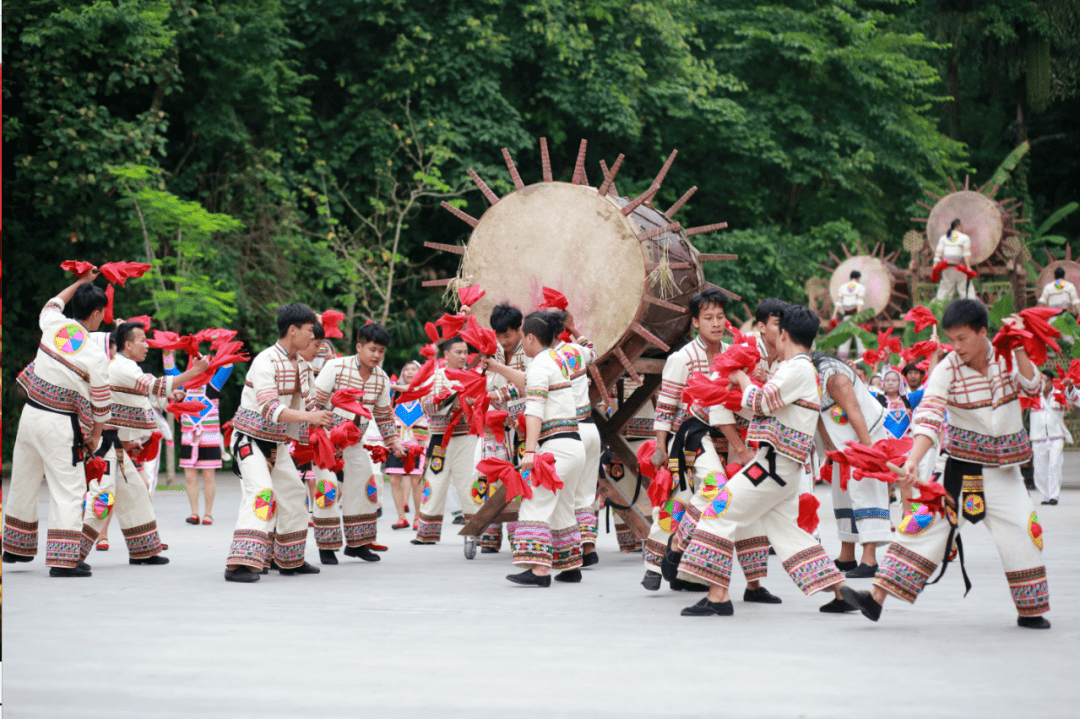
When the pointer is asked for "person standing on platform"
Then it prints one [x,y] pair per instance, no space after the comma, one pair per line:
[954,249]
[1060,293]
[850,301]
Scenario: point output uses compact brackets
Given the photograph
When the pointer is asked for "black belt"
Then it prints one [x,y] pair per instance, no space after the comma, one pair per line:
[586,420]
[561,435]
[76,430]
[691,432]
[953,480]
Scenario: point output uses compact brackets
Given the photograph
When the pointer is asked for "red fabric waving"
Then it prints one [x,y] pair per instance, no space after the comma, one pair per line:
[77,267]
[554,298]
[120,272]
[470,295]
[543,474]
[921,316]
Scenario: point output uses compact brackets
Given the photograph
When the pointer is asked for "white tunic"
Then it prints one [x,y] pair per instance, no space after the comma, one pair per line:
[132,390]
[1059,293]
[1048,420]
[952,248]
[549,394]
[851,297]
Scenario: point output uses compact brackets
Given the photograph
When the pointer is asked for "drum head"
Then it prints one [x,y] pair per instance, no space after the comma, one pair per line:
[1072,274]
[875,276]
[981,218]
[565,237]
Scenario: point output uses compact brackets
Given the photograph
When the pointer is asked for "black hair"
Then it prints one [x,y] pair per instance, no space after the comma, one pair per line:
[911,367]
[88,298]
[708,297]
[953,226]
[122,334]
[1048,374]
[855,274]
[504,316]
[769,307]
[296,314]
[319,331]
[1059,273]
[802,324]
[545,326]
[966,313]
[447,344]
[373,332]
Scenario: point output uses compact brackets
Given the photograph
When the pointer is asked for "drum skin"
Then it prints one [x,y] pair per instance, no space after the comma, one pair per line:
[876,277]
[1072,274]
[982,218]
[571,239]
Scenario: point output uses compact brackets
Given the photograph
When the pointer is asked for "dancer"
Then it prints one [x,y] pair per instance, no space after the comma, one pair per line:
[954,249]
[766,490]
[850,301]
[272,411]
[849,413]
[1060,293]
[1049,435]
[986,443]
[354,499]
[547,535]
[69,402]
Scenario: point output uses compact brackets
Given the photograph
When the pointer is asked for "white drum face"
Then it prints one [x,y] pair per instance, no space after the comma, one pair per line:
[875,277]
[980,215]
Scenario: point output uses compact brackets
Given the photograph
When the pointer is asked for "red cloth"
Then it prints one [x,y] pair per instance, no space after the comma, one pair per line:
[348,399]
[543,474]
[644,458]
[808,512]
[887,344]
[109,292]
[1043,334]
[660,487]
[302,453]
[470,295]
[924,348]
[413,450]
[554,299]
[1008,339]
[345,435]
[378,453]
[502,471]
[565,336]
[1030,402]
[227,354]
[120,272]
[921,316]
[95,469]
[149,451]
[932,496]
[839,460]
[143,320]
[703,391]
[226,433]
[329,320]
[479,337]
[451,325]
[495,419]
[323,447]
[872,461]
[166,340]
[935,272]
[871,357]
[736,357]
[182,408]
[77,267]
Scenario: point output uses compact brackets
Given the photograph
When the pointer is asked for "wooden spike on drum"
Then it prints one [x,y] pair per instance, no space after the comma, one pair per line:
[456,249]
[609,177]
[967,180]
[729,293]
[936,197]
[919,219]
[705,228]
[650,266]
[923,205]
[634,203]
[952,185]
[483,186]
[518,184]
[1015,232]
[579,166]
[437,283]
[662,303]
[649,336]
[545,159]
[680,202]
[594,372]
[1022,219]
[657,231]
[716,258]
[993,191]
[627,365]
[664,170]
[463,216]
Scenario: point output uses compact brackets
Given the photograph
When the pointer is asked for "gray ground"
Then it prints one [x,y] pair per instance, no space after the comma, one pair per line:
[426,633]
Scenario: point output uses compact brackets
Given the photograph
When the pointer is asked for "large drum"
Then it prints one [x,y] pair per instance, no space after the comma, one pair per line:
[628,277]
[877,277]
[982,217]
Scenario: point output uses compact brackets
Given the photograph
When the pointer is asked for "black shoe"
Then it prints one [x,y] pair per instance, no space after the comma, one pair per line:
[669,563]
[417,541]
[772,552]
[327,556]
[488,550]
[83,565]
[195,520]
[264,570]
[242,574]
[705,608]
[590,559]
[681,585]
[459,520]
[378,513]
[1053,501]
[845,566]
[651,581]
[863,600]
[304,568]
[863,571]
[68,572]
[273,565]
[9,558]
[1033,622]
[837,606]
[529,579]
[156,559]
[572,576]
[1046,501]
[364,553]
[761,595]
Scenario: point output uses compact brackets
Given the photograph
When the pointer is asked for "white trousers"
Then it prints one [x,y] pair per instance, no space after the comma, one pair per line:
[585,490]
[458,468]
[122,490]
[547,531]
[862,511]
[1011,520]
[1048,462]
[352,499]
[273,518]
[953,280]
[844,349]
[43,451]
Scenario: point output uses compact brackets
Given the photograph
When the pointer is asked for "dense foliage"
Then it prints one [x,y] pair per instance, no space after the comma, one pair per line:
[298,149]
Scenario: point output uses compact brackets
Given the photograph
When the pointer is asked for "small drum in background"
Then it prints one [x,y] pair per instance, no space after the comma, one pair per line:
[982,217]
[1072,274]
[877,277]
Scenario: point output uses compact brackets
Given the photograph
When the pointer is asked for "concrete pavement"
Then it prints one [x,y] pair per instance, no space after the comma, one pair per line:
[426,633]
